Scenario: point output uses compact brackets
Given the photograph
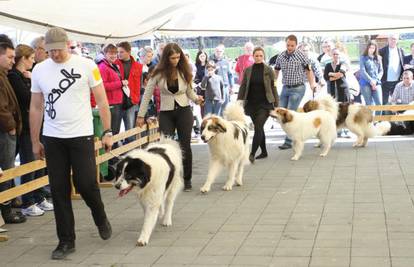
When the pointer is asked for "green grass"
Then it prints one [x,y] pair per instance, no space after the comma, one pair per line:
[352,48]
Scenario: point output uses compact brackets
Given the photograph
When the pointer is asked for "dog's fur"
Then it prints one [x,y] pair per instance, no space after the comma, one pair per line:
[356,117]
[227,140]
[302,126]
[156,174]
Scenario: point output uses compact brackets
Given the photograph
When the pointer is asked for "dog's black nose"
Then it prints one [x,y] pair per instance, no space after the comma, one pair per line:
[203,138]
[118,186]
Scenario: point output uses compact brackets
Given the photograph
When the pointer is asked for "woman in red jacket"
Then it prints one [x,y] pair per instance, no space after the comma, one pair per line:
[111,77]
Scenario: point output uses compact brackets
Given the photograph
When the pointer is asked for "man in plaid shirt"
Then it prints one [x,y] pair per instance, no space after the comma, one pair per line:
[404,91]
[294,66]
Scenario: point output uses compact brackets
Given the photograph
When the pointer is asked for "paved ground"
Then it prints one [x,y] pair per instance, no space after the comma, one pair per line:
[353,208]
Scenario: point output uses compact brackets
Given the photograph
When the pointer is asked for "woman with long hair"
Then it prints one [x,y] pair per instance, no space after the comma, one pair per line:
[174,78]
[371,71]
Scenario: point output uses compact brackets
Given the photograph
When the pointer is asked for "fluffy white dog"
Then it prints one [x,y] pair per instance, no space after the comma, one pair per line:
[227,139]
[356,117]
[302,126]
[156,174]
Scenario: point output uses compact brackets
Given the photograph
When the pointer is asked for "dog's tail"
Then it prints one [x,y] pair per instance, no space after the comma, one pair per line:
[329,104]
[379,129]
[234,112]
[169,141]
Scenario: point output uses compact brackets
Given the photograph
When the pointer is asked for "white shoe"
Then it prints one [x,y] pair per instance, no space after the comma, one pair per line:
[33,210]
[45,205]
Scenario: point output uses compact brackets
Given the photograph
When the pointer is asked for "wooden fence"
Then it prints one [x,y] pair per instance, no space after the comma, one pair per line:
[143,137]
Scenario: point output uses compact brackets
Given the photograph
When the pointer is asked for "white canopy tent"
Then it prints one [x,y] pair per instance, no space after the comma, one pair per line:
[103,21]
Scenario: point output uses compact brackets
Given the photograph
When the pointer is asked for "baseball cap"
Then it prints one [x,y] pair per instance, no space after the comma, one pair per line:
[56,38]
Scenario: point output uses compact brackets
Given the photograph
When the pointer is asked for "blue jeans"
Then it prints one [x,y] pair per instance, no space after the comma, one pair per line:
[290,98]
[7,156]
[372,96]
[128,117]
[226,97]
[26,156]
[212,107]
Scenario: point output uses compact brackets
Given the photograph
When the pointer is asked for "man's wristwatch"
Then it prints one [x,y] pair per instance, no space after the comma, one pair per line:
[107,132]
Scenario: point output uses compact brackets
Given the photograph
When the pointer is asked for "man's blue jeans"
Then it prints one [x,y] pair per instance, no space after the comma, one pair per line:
[290,98]
[128,117]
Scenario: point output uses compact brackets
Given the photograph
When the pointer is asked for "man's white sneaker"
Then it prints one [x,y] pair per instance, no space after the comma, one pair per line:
[33,210]
[45,205]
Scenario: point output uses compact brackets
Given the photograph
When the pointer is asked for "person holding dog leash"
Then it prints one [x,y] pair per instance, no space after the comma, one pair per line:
[61,87]
[174,78]
[258,88]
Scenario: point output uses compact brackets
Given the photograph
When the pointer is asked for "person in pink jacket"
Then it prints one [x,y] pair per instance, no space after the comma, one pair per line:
[244,61]
[111,77]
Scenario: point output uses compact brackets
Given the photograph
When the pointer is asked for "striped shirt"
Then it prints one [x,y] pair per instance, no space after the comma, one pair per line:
[403,94]
[293,67]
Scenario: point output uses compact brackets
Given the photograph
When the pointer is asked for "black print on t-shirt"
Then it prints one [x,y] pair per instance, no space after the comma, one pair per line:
[64,84]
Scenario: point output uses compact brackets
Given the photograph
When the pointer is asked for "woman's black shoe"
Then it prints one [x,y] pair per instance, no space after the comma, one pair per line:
[251,158]
[262,156]
[187,186]
[62,250]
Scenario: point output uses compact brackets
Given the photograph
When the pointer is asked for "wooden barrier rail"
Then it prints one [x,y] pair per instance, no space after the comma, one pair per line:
[152,135]
[394,117]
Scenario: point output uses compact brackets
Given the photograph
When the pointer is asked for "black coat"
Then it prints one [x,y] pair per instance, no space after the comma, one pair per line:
[21,86]
[384,52]
[339,86]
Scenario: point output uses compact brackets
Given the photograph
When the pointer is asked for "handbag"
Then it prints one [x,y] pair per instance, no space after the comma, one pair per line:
[126,99]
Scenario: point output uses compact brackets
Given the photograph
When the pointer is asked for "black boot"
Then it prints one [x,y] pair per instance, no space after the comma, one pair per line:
[105,230]
[62,250]
[11,217]
[187,186]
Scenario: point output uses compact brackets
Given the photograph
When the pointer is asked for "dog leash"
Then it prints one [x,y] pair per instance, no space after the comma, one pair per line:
[113,154]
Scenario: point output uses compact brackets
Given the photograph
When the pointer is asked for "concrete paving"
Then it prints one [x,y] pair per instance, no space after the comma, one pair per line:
[352,208]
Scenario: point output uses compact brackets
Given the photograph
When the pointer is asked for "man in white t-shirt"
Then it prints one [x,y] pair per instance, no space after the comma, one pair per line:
[61,88]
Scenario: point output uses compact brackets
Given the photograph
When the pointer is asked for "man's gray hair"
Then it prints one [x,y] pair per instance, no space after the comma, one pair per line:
[36,41]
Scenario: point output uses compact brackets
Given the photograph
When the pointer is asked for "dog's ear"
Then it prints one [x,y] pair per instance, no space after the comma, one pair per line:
[219,125]
[285,114]
[138,170]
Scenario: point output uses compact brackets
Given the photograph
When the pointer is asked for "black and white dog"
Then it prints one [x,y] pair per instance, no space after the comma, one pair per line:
[156,174]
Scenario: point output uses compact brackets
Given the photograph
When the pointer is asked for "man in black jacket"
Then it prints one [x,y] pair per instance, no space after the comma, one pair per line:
[392,62]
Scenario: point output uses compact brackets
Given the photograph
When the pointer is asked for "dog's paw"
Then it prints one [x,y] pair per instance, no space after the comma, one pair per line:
[227,187]
[294,158]
[166,222]
[356,144]
[205,189]
[239,183]
[323,154]
[142,242]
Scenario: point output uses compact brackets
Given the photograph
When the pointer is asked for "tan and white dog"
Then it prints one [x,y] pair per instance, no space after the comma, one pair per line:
[227,139]
[303,126]
[356,117]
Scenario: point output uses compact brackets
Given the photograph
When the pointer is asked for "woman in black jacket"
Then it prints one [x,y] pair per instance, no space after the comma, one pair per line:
[334,75]
[259,92]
